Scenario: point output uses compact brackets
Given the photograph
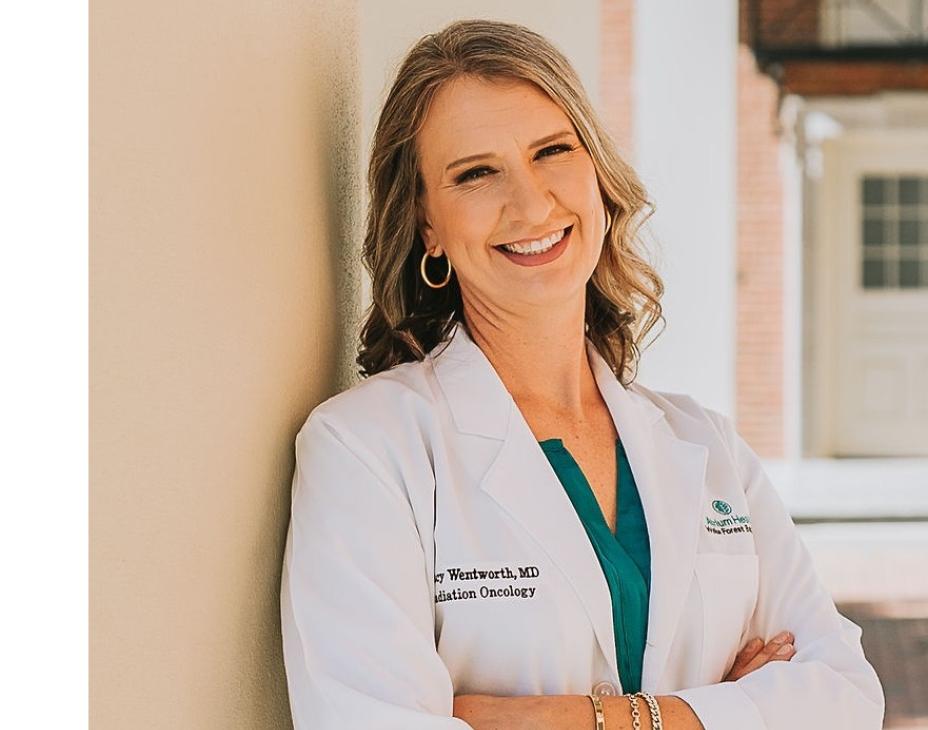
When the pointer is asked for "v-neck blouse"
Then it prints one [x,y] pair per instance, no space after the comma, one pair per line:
[625,557]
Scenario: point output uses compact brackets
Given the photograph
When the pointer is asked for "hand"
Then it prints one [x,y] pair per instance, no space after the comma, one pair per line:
[756,654]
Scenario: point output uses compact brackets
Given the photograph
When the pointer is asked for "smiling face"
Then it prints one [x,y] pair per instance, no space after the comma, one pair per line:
[533,178]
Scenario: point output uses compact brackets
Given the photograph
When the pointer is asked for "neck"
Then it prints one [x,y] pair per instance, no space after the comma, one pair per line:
[541,360]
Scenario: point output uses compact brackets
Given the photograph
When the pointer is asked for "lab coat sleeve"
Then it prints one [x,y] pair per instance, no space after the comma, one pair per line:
[357,626]
[828,682]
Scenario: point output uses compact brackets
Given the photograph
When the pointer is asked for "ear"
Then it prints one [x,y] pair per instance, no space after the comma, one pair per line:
[429,238]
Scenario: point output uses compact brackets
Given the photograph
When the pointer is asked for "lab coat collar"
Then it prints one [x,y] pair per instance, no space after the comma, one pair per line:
[669,472]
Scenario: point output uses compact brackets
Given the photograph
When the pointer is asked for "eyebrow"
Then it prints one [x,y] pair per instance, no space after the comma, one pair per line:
[537,143]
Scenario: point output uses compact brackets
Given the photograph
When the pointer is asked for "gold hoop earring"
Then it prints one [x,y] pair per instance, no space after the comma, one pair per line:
[425,276]
[608,220]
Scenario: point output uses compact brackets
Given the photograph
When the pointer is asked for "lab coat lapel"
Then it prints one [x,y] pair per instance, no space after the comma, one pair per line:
[519,477]
[669,473]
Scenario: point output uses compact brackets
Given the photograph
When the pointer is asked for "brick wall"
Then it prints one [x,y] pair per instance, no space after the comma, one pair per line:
[759,320]
[617,73]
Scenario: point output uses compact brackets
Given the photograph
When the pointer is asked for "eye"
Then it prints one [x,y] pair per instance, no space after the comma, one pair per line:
[472,173]
[559,147]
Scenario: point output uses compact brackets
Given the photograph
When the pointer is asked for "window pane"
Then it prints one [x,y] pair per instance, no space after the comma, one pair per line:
[873,190]
[908,190]
[873,274]
[908,231]
[908,273]
[873,232]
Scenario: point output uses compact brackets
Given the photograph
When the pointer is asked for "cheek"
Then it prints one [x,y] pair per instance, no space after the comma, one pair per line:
[469,232]
[461,222]
[578,189]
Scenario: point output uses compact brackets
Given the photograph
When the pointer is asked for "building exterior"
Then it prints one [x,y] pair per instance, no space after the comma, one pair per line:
[852,80]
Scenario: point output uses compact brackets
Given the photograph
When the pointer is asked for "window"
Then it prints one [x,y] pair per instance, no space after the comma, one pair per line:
[894,231]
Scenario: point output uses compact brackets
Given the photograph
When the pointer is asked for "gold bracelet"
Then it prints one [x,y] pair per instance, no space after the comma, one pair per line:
[636,715]
[654,709]
[598,709]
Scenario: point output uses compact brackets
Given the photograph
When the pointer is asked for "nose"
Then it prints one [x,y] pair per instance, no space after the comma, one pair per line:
[531,202]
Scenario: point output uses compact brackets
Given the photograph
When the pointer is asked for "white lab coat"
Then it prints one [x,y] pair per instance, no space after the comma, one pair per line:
[410,483]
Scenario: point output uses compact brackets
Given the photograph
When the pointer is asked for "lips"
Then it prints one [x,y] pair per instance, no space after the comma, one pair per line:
[539,259]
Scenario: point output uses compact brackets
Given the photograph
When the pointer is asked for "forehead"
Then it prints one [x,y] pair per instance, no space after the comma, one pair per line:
[472,116]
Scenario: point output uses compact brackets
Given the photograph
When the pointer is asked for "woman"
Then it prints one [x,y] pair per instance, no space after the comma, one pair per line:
[498,527]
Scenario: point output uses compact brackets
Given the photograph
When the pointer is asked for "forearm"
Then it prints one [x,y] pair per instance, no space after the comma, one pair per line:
[568,712]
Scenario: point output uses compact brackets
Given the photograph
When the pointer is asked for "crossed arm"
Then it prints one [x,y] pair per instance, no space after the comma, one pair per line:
[567,712]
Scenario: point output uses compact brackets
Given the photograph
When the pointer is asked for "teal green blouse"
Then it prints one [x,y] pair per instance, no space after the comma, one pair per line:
[625,557]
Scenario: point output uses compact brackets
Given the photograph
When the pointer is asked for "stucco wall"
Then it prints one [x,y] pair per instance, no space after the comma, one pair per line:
[224,191]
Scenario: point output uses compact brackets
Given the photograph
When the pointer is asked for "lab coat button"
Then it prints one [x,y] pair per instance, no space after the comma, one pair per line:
[605,688]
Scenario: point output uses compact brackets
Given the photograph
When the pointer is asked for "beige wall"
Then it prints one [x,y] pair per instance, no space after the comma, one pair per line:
[228,149]
[224,152]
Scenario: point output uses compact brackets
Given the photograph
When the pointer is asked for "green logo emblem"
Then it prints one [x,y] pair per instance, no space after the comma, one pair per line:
[723,508]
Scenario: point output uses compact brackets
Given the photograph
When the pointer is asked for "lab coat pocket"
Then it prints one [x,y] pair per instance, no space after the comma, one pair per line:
[728,585]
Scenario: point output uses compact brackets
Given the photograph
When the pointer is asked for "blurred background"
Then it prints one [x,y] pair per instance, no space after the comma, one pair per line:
[830,342]
[785,145]
[790,171]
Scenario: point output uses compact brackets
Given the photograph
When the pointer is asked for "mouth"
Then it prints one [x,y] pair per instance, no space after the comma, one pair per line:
[540,245]
[547,249]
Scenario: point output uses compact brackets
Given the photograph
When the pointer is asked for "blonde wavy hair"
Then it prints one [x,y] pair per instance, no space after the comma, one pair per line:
[407,318]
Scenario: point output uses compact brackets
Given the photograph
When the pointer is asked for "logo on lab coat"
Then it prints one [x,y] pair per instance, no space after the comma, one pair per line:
[723,508]
[731,524]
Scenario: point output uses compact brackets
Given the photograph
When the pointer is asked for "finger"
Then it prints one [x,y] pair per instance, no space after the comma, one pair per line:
[772,646]
[752,647]
[755,654]
[743,657]
[784,653]
[770,653]
[748,652]
[738,671]
[766,654]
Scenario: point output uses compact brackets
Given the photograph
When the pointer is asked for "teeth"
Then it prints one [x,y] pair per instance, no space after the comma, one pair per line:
[535,247]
